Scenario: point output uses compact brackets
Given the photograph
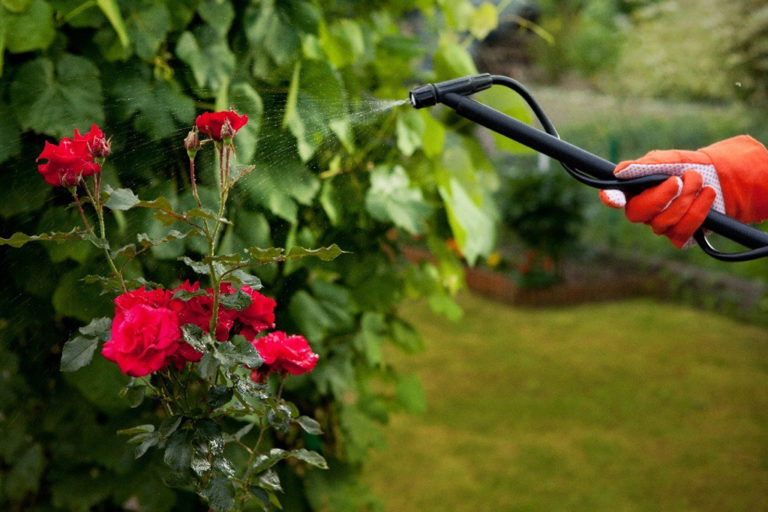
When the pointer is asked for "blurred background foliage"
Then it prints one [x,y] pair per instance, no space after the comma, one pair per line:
[620,78]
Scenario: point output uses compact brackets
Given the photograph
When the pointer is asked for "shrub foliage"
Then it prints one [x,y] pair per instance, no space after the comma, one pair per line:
[332,165]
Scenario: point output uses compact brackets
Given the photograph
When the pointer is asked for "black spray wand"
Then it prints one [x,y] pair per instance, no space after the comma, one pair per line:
[584,166]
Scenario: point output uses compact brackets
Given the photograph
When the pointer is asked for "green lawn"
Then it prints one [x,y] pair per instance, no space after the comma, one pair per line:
[613,407]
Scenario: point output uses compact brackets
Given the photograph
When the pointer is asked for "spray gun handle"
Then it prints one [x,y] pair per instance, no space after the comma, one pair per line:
[602,172]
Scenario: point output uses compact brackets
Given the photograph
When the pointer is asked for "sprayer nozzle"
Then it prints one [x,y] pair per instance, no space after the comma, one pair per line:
[424,96]
[429,94]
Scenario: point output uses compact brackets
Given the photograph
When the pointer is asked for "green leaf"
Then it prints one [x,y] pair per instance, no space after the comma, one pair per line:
[77,352]
[392,198]
[195,336]
[185,295]
[513,105]
[310,316]
[316,107]
[148,442]
[24,475]
[410,131]
[452,61]
[147,428]
[329,253]
[147,26]
[208,55]
[200,464]
[10,146]
[342,42]
[266,30]
[473,228]
[106,395]
[197,266]
[245,100]
[99,328]
[169,426]
[217,14]
[122,199]
[310,457]
[238,351]
[135,395]
[208,366]
[271,481]
[279,185]
[218,396]
[406,337]
[178,451]
[237,301]
[309,425]
[458,13]
[146,241]
[31,28]
[158,107]
[112,12]
[433,138]
[265,255]
[485,19]
[372,337]
[17,240]
[410,395]
[224,466]
[241,278]
[16,6]
[219,494]
[52,99]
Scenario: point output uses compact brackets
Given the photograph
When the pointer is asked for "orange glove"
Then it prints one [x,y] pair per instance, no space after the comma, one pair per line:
[730,176]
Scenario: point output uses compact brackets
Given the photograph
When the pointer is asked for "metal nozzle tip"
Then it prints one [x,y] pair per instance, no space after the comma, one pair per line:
[424,96]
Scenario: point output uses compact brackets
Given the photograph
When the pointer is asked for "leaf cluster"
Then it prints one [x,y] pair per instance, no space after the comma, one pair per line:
[333,163]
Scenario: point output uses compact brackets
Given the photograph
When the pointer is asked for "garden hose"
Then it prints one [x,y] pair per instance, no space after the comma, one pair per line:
[582,165]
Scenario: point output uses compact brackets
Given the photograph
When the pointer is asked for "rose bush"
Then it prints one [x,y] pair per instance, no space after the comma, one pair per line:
[332,165]
[156,332]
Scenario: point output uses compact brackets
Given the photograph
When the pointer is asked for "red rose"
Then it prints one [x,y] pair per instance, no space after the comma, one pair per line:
[284,354]
[73,159]
[146,334]
[211,123]
[144,339]
[260,315]
[198,310]
[65,167]
[153,298]
[93,142]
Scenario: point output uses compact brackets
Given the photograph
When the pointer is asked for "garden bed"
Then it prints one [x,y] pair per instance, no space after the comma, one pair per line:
[607,277]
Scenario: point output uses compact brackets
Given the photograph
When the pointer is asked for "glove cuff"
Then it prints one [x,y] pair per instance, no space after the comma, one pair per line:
[742,167]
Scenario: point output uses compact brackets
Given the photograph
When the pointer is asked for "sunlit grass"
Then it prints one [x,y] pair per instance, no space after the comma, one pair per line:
[624,406]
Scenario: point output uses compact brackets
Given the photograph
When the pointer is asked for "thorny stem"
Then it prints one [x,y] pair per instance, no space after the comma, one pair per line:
[82,212]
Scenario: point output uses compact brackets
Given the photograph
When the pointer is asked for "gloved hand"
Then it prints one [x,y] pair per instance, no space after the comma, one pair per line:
[730,176]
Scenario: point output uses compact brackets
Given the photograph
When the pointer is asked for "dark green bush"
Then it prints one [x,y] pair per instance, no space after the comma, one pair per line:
[333,165]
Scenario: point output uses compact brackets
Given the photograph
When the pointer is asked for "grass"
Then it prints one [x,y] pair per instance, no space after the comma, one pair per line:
[624,406]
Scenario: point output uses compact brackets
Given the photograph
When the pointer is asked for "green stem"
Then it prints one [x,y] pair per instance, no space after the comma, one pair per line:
[102,229]
[213,240]
[77,10]
[193,181]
